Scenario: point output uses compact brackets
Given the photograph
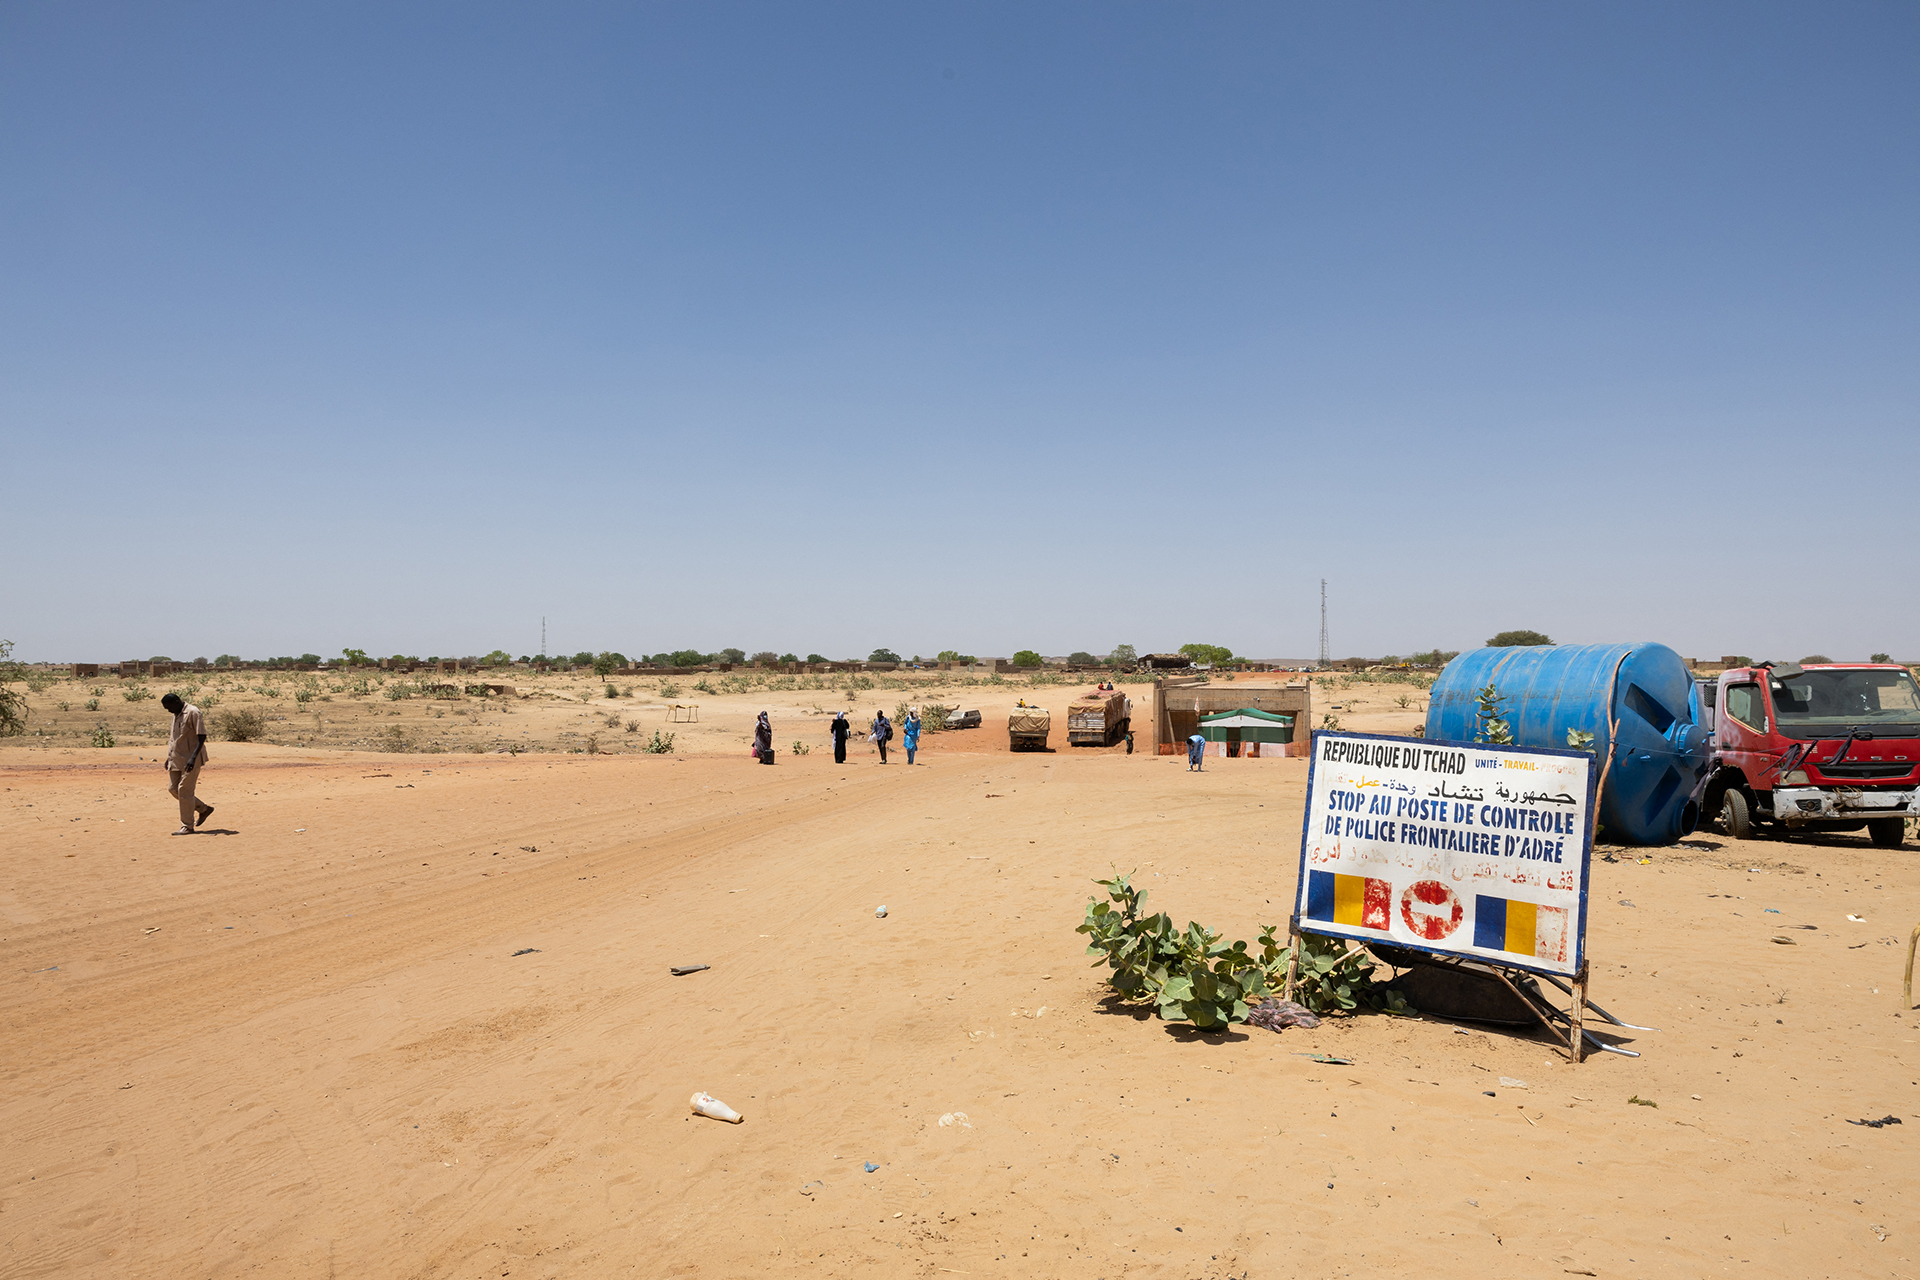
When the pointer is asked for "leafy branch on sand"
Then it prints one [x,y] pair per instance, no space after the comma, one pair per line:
[1193,975]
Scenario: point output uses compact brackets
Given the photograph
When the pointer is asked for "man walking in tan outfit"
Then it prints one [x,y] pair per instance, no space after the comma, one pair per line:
[186,752]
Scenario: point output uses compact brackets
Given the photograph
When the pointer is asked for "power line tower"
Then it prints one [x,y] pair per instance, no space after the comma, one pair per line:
[1325,656]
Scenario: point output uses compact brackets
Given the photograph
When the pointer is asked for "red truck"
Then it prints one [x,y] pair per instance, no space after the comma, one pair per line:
[1822,747]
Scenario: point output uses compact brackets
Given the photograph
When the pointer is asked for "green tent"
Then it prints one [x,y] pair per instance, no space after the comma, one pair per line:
[1247,725]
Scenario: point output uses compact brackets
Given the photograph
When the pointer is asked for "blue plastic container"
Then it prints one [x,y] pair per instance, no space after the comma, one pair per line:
[1659,750]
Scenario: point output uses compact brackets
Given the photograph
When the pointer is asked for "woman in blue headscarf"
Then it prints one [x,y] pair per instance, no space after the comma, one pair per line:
[910,733]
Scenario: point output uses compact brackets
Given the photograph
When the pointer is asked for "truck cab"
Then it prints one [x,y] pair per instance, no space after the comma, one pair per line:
[1820,747]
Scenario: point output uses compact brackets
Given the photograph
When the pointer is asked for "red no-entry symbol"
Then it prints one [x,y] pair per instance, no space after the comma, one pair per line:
[1431,910]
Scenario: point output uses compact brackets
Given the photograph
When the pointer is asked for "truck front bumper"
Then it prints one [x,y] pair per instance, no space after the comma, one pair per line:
[1795,805]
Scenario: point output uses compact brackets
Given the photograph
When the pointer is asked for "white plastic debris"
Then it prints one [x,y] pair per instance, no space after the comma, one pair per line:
[707,1105]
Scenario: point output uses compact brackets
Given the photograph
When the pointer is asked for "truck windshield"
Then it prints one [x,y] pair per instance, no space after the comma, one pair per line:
[1819,704]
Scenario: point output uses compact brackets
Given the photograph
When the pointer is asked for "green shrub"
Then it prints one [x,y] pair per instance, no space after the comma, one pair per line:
[1028,658]
[102,736]
[659,745]
[1491,728]
[1192,975]
[93,704]
[800,748]
[136,693]
[1515,639]
[668,689]
[242,724]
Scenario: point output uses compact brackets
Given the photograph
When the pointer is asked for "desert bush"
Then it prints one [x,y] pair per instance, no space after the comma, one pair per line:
[102,736]
[1491,727]
[98,691]
[613,721]
[800,748]
[242,724]
[38,681]
[933,716]
[668,689]
[593,744]
[209,702]
[93,704]
[136,693]
[703,687]
[65,706]
[304,694]
[660,744]
[1192,975]
[633,726]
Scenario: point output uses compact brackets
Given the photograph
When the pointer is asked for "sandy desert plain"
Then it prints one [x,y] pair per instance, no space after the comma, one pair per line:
[408,1014]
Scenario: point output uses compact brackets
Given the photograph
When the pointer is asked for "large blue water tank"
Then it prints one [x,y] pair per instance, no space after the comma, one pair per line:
[1659,750]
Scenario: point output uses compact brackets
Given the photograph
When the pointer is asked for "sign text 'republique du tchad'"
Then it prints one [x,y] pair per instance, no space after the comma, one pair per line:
[1467,849]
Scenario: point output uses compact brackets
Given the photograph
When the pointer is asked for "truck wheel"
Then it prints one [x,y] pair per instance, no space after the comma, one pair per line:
[1735,818]
[1887,833]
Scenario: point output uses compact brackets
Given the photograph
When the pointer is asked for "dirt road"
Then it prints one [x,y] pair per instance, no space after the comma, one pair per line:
[306,1046]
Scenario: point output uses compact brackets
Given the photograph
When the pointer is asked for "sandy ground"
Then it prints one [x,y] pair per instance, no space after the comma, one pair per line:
[306,1046]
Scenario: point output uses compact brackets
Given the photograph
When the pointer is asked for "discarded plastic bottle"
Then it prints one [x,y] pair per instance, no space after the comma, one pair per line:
[707,1105]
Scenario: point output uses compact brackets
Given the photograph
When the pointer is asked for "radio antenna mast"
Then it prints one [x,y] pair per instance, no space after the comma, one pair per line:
[1323,627]
[1325,656]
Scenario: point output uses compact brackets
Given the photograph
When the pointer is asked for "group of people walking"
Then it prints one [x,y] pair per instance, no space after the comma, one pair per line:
[880,733]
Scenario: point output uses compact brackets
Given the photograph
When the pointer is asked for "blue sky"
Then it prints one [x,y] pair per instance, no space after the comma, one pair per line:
[984,327]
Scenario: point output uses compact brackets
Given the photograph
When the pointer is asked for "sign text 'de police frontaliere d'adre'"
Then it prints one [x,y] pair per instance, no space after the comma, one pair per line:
[1461,848]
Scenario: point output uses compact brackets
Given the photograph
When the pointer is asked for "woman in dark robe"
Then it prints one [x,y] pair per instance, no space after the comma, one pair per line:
[763,740]
[840,728]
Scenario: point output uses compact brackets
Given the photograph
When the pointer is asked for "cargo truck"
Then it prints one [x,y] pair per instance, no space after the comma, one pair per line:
[1819,747]
[1027,728]
[1098,719]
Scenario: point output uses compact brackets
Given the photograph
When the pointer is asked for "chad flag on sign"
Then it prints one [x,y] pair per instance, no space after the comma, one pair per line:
[1349,900]
[1523,928]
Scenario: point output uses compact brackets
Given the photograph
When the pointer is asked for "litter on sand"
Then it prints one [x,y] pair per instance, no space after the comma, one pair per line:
[682,970]
[1881,1123]
[1277,1015]
[526,951]
[1639,1101]
[706,1104]
[871,1166]
[1328,1058]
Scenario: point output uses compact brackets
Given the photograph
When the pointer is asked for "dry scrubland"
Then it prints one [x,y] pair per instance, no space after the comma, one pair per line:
[410,1016]
[379,711]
